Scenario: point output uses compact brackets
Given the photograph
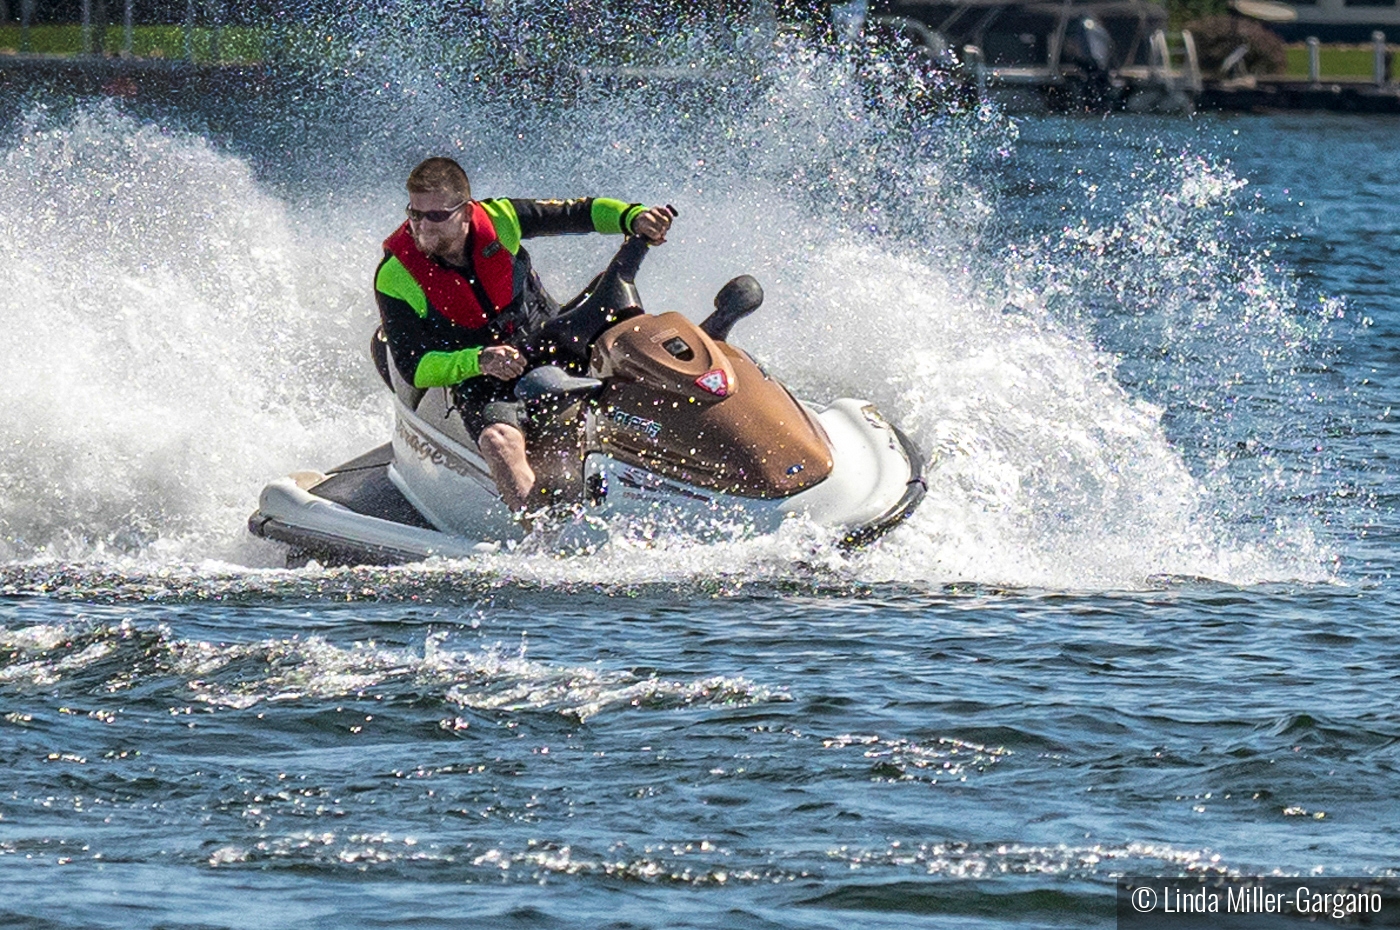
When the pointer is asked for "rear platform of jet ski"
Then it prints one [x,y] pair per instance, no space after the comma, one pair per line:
[352,516]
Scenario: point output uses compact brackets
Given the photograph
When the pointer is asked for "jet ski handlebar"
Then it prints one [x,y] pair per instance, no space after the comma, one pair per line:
[628,260]
[609,298]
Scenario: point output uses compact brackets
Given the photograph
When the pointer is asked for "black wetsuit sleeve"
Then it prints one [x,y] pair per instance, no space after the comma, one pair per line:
[554,217]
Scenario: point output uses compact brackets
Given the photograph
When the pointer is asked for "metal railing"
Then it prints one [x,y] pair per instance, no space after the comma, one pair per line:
[28,10]
[1380,60]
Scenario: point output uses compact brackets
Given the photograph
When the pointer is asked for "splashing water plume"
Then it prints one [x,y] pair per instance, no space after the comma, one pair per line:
[175,340]
[186,330]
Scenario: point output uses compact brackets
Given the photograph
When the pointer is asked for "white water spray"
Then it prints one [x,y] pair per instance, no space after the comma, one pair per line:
[185,333]
[176,336]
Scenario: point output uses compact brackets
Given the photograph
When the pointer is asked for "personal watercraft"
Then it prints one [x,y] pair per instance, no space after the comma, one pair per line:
[633,417]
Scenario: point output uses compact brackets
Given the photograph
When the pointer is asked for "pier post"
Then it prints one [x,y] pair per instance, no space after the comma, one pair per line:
[1314,60]
[128,28]
[87,27]
[216,10]
[1193,61]
[26,13]
[189,30]
[973,54]
[1378,43]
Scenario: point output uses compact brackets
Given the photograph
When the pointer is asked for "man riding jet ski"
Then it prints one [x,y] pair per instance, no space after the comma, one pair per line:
[455,284]
[628,415]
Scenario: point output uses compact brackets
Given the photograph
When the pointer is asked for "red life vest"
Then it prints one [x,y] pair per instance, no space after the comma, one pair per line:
[449,292]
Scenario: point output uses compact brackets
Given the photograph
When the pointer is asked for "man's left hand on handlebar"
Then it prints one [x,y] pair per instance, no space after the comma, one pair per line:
[652,224]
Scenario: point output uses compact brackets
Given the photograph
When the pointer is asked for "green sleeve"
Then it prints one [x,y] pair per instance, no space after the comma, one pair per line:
[394,280]
[444,369]
[614,216]
[505,220]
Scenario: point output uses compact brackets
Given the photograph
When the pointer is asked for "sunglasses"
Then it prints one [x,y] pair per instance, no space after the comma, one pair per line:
[433,216]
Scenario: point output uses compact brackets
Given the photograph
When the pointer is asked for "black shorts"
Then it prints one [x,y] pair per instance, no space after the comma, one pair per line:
[484,400]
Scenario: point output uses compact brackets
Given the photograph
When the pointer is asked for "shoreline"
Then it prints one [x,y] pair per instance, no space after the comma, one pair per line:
[177,78]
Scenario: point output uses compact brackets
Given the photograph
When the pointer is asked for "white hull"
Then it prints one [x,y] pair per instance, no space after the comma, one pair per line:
[425,495]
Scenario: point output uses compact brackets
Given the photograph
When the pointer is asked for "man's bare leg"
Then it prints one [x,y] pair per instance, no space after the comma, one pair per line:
[503,447]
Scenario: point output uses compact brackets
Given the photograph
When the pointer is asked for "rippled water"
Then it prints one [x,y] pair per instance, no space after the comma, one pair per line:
[1141,625]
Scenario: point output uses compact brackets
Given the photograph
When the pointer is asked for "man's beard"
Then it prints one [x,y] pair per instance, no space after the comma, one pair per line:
[430,245]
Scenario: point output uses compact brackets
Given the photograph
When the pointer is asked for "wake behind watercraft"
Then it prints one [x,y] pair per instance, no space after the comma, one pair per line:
[633,416]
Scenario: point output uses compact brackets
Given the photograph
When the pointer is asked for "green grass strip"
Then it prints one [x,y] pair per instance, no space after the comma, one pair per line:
[234,43]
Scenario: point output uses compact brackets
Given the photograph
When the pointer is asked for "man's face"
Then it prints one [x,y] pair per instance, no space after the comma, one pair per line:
[444,239]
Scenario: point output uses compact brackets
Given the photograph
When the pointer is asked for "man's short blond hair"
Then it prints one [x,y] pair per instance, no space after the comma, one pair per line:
[440,175]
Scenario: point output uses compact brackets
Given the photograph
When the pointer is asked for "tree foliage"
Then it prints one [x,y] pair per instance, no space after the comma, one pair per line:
[1181,12]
